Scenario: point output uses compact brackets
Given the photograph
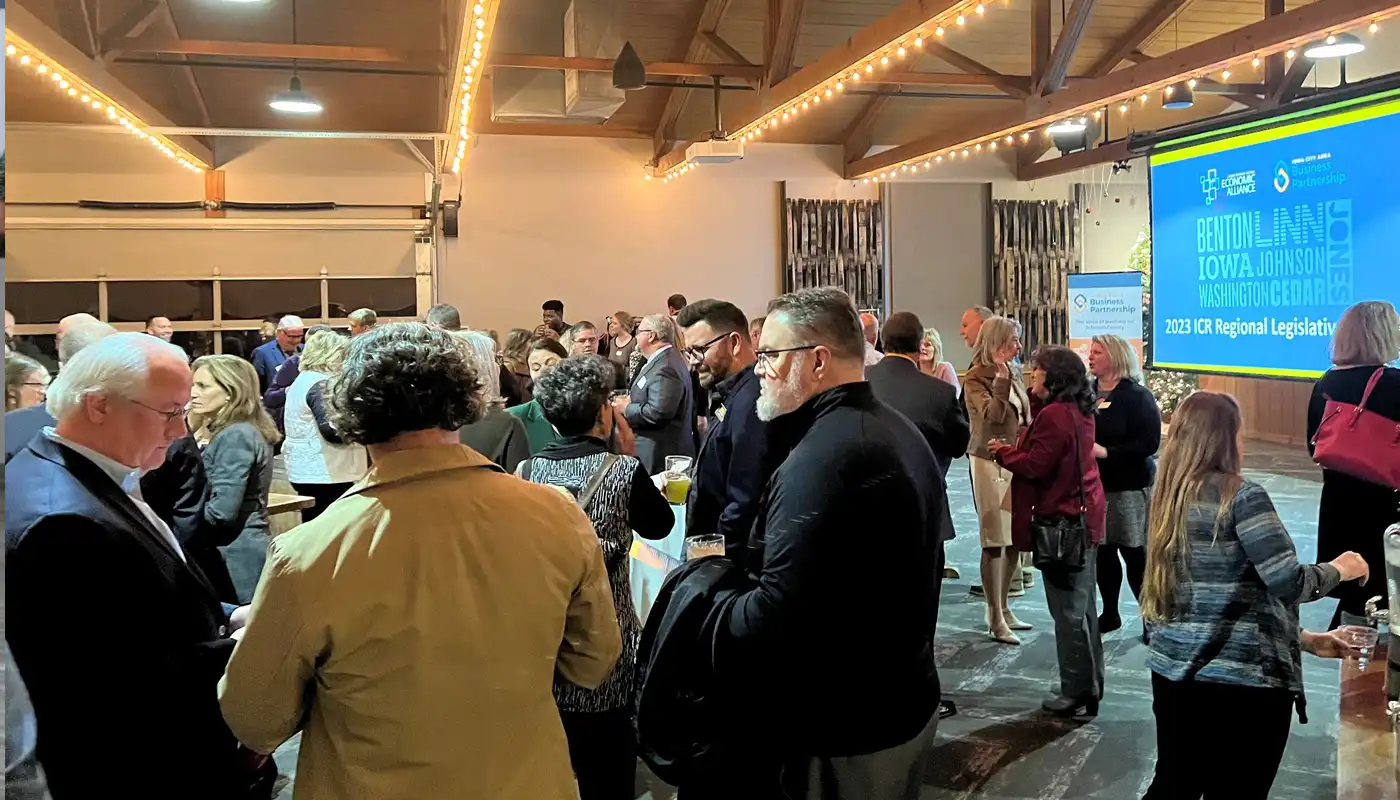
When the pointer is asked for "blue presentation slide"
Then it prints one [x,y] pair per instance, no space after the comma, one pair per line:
[1262,239]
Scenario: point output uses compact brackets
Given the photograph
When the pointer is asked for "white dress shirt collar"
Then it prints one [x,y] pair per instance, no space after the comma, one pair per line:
[654,356]
[128,478]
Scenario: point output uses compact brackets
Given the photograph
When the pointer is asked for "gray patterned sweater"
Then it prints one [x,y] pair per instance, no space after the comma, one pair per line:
[1237,597]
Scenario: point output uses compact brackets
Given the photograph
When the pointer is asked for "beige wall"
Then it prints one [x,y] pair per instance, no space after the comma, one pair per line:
[48,167]
[940,260]
[574,219]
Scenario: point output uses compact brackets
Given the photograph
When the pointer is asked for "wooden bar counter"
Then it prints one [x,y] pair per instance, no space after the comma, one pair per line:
[1365,744]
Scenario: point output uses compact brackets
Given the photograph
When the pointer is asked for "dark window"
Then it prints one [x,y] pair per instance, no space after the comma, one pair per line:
[138,301]
[45,343]
[47,303]
[271,299]
[195,343]
[388,297]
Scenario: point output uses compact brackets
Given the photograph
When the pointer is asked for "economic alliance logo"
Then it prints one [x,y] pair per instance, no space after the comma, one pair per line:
[1210,185]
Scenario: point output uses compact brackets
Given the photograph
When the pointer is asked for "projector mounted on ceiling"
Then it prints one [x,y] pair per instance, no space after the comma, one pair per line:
[717,151]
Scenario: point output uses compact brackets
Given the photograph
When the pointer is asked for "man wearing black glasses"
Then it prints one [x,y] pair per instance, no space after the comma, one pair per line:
[731,469]
[834,640]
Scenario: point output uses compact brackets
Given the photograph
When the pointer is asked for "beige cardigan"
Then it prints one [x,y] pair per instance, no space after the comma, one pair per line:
[989,408]
[413,631]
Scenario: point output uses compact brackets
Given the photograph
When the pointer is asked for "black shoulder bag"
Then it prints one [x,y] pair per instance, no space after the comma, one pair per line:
[1058,542]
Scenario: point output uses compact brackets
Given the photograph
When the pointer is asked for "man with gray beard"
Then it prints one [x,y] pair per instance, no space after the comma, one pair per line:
[834,641]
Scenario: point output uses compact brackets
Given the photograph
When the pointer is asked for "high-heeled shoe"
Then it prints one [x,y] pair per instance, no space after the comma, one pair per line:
[1003,634]
[1062,706]
[1015,624]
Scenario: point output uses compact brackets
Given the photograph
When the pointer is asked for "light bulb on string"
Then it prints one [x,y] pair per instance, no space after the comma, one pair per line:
[961,20]
[981,9]
[869,69]
[938,31]
[1373,29]
[900,51]
[919,41]
[1256,62]
[1225,75]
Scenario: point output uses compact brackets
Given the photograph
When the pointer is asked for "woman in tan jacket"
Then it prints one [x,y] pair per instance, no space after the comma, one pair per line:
[998,408]
[413,631]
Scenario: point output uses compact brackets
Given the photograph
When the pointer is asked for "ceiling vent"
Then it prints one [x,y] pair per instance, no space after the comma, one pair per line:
[587,29]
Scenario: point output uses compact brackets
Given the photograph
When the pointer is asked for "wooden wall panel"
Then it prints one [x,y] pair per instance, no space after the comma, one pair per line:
[1274,411]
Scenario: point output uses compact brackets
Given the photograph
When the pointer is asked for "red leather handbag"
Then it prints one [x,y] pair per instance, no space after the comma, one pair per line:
[1359,443]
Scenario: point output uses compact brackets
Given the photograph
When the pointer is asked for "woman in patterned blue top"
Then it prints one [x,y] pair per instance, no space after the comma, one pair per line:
[1221,597]
[619,498]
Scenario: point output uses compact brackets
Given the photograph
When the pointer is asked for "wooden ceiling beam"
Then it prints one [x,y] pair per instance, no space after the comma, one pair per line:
[1020,85]
[1291,29]
[1158,15]
[858,136]
[132,24]
[1274,65]
[723,49]
[707,18]
[1107,154]
[1076,21]
[1293,79]
[669,69]
[1040,39]
[784,39]
[308,52]
[901,21]
[971,66]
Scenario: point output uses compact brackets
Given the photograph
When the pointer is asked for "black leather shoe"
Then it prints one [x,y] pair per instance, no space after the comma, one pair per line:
[1108,623]
[1062,706]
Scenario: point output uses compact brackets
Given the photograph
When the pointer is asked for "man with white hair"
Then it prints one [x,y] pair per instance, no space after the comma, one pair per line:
[362,320]
[661,405]
[870,328]
[829,615]
[24,424]
[79,539]
[268,357]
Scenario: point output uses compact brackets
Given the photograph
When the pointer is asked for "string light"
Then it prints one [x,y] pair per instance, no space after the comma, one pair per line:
[1374,28]
[1257,62]
[1225,76]
[938,32]
[482,24]
[961,20]
[900,52]
[70,85]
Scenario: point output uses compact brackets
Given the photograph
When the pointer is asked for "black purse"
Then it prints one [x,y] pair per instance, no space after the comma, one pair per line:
[1058,542]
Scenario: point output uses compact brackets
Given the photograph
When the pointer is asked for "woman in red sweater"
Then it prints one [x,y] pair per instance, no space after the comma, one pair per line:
[1054,473]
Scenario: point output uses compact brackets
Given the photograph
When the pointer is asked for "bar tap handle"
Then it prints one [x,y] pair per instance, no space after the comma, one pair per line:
[1376,615]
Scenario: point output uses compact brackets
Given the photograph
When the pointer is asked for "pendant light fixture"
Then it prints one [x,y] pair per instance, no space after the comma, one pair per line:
[295,100]
[1179,95]
[1339,45]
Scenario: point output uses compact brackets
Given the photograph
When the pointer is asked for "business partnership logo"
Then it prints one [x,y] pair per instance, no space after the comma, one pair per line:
[1281,179]
[1080,302]
[1210,184]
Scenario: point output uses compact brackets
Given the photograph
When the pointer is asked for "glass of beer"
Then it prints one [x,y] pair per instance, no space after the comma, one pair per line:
[678,463]
[704,546]
[677,488]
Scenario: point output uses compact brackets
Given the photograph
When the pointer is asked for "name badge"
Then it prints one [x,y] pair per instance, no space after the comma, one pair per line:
[1104,404]
[720,412]
[641,383]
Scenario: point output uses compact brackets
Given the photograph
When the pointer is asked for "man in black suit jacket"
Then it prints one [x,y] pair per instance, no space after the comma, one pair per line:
[926,401]
[661,406]
[120,639]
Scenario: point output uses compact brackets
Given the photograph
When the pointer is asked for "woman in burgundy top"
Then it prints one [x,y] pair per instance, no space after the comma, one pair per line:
[1046,481]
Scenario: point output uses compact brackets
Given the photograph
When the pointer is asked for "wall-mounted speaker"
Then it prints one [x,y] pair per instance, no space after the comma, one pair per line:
[449,219]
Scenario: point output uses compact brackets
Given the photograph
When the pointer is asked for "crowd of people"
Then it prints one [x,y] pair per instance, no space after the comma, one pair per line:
[454,618]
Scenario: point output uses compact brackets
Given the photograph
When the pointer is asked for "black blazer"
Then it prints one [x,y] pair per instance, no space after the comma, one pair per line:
[119,640]
[934,408]
[732,468]
[1129,427]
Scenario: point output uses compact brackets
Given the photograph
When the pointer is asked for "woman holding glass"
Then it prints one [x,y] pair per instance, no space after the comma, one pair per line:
[1057,478]
[1221,595]
[997,409]
[619,498]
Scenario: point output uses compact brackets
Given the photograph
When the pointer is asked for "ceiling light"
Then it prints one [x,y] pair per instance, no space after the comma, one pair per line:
[1178,96]
[1338,46]
[1067,126]
[295,101]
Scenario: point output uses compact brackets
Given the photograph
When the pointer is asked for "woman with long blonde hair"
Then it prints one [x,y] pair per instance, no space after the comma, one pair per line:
[998,409]
[1221,597]
[320,464]
[236,435]
[931,359]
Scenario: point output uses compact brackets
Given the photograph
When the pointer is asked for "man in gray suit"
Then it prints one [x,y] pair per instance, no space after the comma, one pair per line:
[661,405]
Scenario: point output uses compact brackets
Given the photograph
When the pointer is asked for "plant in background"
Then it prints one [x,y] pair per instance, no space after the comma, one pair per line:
[1169,387]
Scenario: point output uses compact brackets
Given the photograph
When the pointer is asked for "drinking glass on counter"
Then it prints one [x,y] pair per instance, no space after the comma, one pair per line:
[704,546]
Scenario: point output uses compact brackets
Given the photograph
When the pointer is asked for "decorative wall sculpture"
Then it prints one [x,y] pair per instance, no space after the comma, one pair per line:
[1036,248]
[835,243]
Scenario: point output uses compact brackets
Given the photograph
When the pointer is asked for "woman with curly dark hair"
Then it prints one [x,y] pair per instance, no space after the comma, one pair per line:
[1055,475]
[413,631]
